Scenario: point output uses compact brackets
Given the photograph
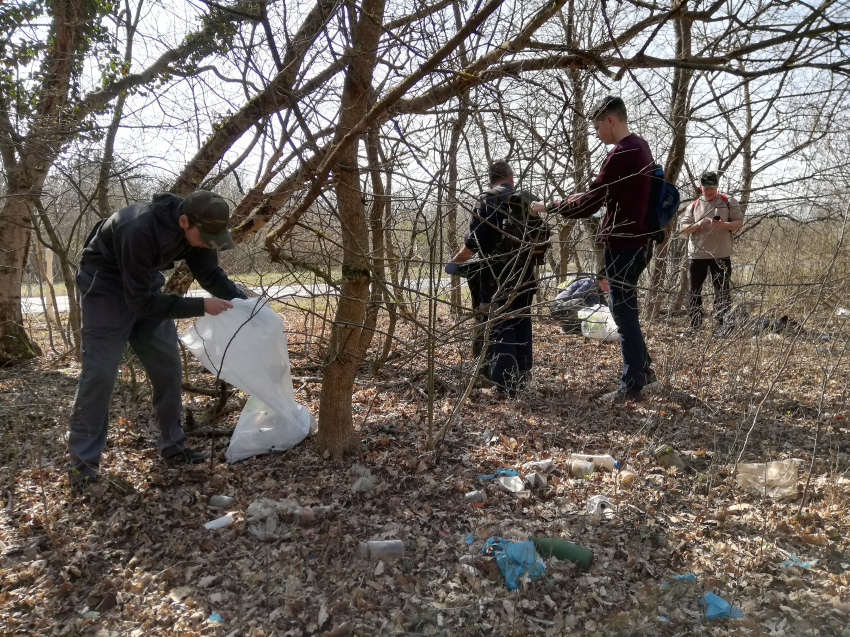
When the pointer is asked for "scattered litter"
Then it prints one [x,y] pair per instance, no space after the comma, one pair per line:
[843,312]
[475,496]
[215,618]
[221,501]
[501,471]
[469,539]
[580,468]
[221,522]
[716,606]
[793,560]
[536,479]
[775,479]
[604,461]
[363,483]
[667,457]
[511,484]
[381,549]
[564,551]
[360,470]
[265,513]
[539,466]
[514,559]
[599,505]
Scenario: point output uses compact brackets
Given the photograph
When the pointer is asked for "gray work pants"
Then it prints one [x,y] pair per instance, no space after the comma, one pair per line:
[108,325]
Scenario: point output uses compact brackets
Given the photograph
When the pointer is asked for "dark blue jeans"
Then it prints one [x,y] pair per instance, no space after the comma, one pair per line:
[623,268]
[108,325]
[510,350]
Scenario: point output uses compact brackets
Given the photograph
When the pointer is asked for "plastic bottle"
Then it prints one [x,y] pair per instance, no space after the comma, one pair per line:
[221,522]
[381,549]
[580,468]
[609,462]
[563,550]
[221,501]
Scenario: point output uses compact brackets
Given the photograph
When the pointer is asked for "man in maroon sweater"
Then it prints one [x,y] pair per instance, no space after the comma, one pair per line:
[622,185]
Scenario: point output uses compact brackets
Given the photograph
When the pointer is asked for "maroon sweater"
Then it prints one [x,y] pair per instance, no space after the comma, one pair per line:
[623,185]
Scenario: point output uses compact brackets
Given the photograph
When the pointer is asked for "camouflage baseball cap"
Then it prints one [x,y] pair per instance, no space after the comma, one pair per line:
[210,213]
[709,179]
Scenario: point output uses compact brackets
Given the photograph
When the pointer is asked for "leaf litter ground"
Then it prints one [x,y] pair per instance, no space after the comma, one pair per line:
[133,558]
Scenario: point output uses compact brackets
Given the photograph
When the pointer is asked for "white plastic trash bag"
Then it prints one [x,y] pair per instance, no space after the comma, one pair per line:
[257,362]
[597,322]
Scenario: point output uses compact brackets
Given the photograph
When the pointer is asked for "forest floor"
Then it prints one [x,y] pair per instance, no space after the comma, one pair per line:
[132,557]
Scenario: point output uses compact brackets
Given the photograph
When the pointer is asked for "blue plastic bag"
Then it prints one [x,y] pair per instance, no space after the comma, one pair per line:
[515,559]
[501,471]
[716,606]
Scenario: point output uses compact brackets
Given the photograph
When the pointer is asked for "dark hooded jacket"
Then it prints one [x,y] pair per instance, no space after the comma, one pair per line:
[130,249]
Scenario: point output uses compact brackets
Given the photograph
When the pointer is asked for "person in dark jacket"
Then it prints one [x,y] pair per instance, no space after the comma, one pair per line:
[622,186]
[120,283]
[506,287]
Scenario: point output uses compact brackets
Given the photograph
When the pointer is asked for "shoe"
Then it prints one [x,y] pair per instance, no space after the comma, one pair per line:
[620,397]
[81,486]
[186,456]
[652,381]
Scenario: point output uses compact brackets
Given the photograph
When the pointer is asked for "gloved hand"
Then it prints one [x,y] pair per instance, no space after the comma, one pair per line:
[452,268]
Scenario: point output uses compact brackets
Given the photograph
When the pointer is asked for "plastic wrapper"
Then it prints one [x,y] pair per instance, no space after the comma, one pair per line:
[775,479]
[597,323]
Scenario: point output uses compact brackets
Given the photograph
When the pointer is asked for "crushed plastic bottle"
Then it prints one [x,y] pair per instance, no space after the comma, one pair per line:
[221,501]
[381,549]
[604,461]
[775,479]
[221,522]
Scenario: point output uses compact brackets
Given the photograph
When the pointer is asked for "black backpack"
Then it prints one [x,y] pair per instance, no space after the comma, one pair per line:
[522,235]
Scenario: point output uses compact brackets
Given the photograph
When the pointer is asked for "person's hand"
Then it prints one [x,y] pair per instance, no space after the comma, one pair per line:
[717,223]
[705,222]
[537,206]
[215,306]
[574,197]
[452,268]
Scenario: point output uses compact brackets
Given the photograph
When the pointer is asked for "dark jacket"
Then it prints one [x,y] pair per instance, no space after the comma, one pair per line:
[623,185]
[483,237]
[130,248]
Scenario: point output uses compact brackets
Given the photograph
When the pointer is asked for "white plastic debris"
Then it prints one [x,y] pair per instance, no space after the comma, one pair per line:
[843,312]
[597,323]
[536,480]
[248,344]
[511,484]
[600,504]
[219,523]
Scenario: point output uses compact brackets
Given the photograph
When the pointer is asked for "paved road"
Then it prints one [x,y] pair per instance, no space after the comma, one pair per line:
[32,304]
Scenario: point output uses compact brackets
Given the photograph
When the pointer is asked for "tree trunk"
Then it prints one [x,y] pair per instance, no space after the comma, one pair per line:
[15,228]
[336,430]
[679,116]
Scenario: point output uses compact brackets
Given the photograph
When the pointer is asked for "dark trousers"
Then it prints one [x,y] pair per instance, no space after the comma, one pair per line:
[108,325]
[510,350]
[623,268]
[721,277]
